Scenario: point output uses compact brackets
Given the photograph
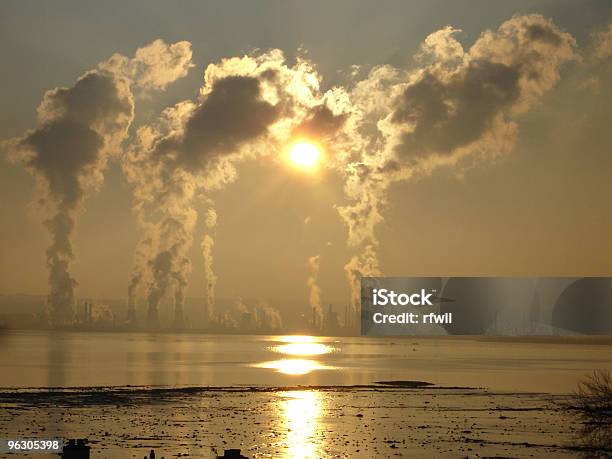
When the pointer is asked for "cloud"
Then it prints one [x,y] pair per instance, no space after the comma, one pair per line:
[154,66]
[321,123]
[232,113]
[458,104]
[603,43]
[445,113]
[441,48]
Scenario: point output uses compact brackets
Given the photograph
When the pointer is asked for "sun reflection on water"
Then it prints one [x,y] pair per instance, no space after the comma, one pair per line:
[298,347]
[301,411]
[296,339]
[293,366]
[303,349]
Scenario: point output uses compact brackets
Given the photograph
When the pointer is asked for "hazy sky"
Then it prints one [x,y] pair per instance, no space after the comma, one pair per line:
[543,208]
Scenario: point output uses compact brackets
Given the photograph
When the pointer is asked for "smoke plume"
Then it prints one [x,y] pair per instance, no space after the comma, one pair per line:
[602,48]
[363,265]
[247,106]
[80,128]
[211,278]
[456,107]
[269,317]
[315,290]
[262,316]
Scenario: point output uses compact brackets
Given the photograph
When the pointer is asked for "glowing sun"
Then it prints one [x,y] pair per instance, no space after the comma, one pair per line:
[304,155]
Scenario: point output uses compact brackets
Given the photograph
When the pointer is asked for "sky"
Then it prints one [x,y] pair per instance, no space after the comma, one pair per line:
[536,203]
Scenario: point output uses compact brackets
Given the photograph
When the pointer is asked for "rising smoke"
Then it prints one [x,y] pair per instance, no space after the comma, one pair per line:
[260,317]
[80,128]
[315,290]
[210,276]
[247,107]
[457,106]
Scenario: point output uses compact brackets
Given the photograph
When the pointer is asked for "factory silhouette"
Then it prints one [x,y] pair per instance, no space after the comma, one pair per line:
[489,306]
[253,316]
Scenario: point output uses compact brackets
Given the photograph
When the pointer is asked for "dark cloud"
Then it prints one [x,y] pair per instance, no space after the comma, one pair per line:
[449,107]
[545,33]
[321,123]
[94,99]
[231,114]
[445,116]
[62,152]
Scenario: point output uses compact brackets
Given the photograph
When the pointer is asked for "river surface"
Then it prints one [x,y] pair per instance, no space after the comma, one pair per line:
[35,359]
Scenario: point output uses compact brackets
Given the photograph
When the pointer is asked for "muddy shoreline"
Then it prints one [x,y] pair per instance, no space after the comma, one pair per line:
[385,419]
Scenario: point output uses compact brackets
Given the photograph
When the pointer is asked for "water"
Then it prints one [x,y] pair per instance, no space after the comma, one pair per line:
[79,359]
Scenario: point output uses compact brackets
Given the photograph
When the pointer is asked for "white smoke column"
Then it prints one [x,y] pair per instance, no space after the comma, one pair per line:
[102,314]
[227,321]
[456,109]
[248,106]
[171,266]
[157,260]
[183,240]
[268,317]
[80,128]
[211,278]
[240,306]
[262,316]
[315,290]
[136,281]
[364,265]
[154,67]
[242,309]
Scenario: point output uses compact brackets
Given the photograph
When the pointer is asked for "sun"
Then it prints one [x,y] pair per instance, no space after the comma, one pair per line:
[305,155]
